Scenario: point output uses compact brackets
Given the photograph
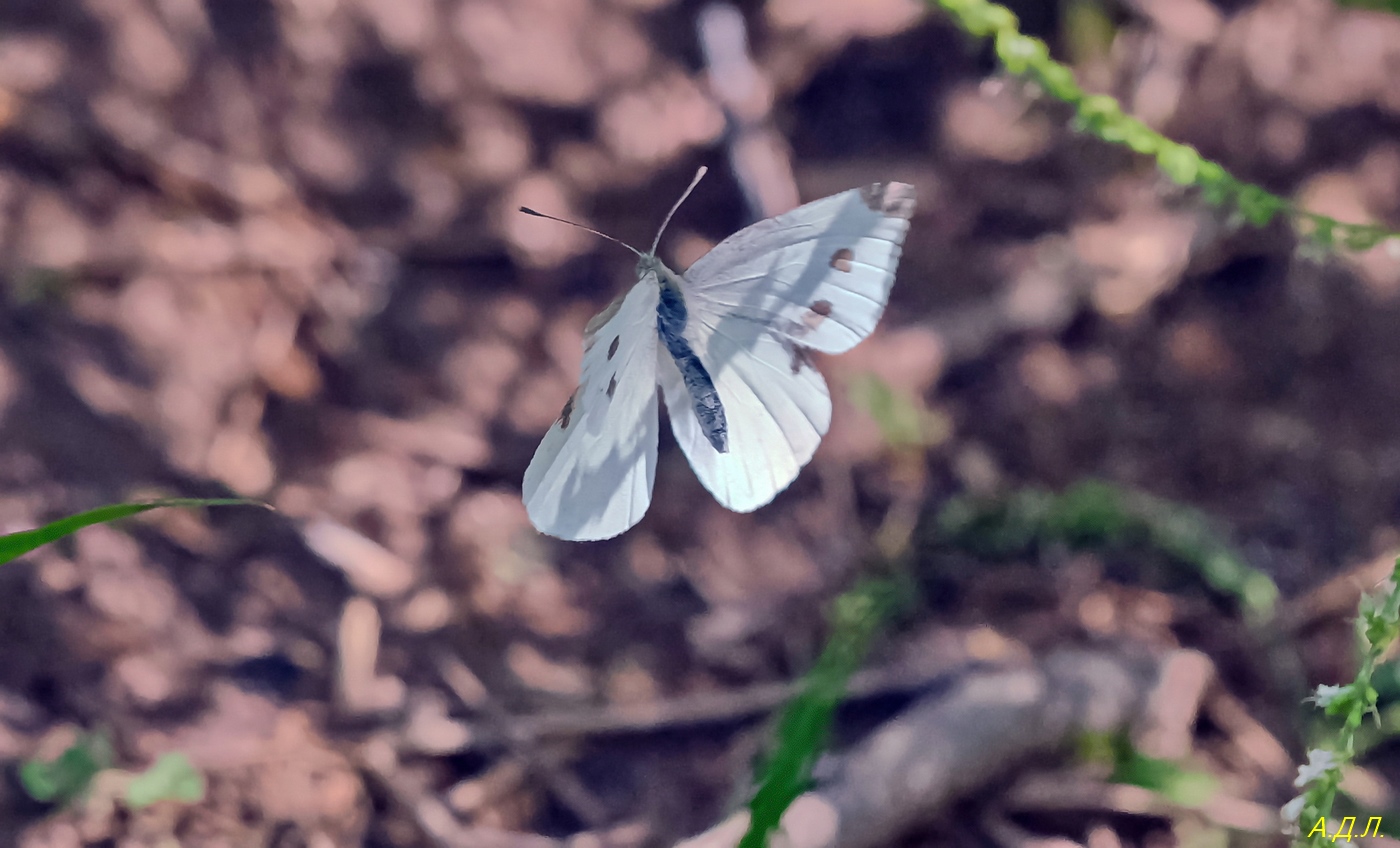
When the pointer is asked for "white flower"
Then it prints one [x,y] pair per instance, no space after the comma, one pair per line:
[1326,694]
[1290,812]
[1319,763]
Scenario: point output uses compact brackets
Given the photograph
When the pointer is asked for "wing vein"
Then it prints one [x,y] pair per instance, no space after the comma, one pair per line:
[775,369]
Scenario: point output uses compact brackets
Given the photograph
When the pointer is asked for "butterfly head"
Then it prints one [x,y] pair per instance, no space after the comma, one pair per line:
[649,264]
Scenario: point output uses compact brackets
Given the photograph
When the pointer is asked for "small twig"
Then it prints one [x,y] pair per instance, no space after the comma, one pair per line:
[758,154]
[1060,792]
[549,768]
[719,707]
[437,822]
[1335,599]
[1247,736]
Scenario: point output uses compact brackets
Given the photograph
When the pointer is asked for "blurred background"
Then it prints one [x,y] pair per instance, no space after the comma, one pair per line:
[270,247]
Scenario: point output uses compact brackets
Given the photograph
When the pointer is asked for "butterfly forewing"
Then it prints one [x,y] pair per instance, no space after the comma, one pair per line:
[591,477]
[819,275]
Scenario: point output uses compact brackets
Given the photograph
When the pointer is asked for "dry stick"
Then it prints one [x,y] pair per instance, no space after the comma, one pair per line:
[1337,598]
[717,707]
[958,740]
[1252,741]
[557,778]
[1168,724]
[1187,686]
[758,154]
[438,823]
[1007,834]
[946,746]
[1055,793]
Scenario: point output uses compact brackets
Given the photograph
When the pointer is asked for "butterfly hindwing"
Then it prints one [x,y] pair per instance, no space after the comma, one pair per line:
[591,477]
[776,407]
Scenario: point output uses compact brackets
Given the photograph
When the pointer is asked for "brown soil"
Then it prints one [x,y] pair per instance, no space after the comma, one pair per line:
[269,248]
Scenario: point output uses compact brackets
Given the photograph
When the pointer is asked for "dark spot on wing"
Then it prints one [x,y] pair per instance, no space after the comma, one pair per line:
[612,348]
[567,413]
[612,385]
[801,357]
[895,200]
[813,317]
[841,259]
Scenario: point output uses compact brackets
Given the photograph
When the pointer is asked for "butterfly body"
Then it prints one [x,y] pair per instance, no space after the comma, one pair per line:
[729,344]
[671,318]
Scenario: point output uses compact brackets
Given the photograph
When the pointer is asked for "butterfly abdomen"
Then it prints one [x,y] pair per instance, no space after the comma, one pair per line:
[670,326]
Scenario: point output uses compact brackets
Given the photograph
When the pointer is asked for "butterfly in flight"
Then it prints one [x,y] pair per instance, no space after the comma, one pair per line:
[729,345]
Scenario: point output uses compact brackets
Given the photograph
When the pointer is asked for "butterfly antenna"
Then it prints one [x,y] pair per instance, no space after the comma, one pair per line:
[698,174]
[528,211]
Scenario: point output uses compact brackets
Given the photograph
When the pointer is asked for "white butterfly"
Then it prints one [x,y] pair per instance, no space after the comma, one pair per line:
[729,344]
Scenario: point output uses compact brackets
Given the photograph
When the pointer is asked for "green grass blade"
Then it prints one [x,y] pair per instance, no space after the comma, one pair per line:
[15,545]
[806,722]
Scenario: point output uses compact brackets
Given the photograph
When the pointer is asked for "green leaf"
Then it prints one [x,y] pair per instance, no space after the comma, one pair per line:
[67,777]
[902,420]
[1180,163]
[170,778]
[1140,137]
[1259,592]
[1257,206]
[981,19]
[1102,116]
[1092,515]
[1020,52]
[1058,80]
[997,528]
[1362,238]
[1191,788]
[1185,787]
[1392,6]
[15,545]
[1324,230]
[1217,186]
[1096,114]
